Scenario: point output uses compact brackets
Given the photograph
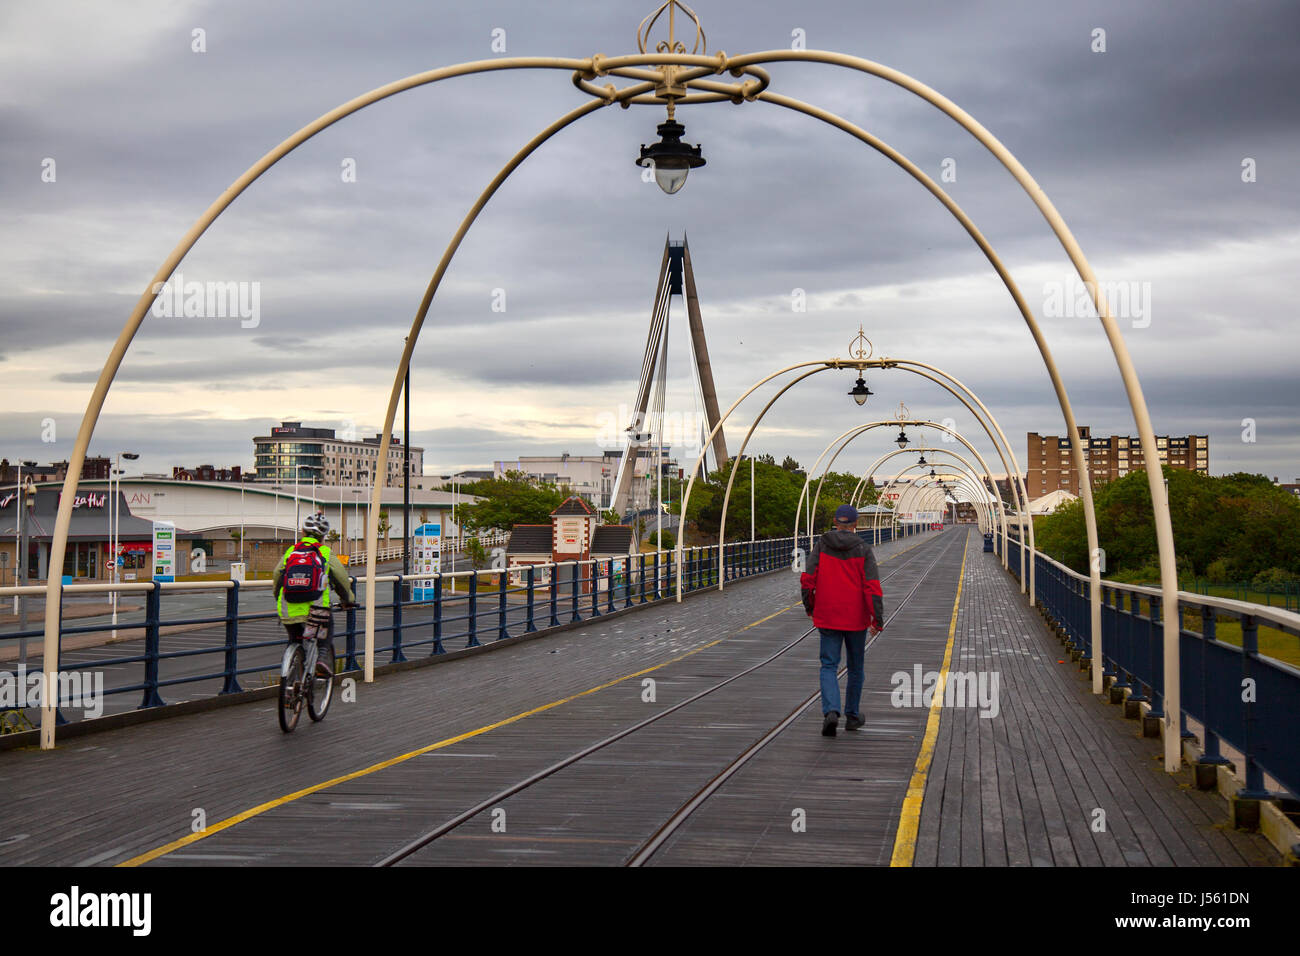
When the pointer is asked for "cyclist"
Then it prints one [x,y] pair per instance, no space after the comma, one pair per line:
[305,569]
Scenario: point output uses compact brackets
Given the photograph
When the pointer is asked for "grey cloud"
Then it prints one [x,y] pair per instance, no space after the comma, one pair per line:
[1139,147]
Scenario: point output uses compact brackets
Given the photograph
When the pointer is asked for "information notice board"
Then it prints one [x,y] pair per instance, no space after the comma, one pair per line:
[428,560]
[164,551]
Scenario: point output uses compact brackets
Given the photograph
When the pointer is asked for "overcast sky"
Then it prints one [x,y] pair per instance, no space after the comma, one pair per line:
[1144,148]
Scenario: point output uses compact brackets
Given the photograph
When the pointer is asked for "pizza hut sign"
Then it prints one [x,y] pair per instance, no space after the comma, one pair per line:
[91,500]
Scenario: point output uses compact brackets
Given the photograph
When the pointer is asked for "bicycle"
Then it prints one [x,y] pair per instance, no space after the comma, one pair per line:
[299,661]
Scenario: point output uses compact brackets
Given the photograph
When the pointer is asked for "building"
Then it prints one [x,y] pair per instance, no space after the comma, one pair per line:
[592,476]
[459,478]
[1048,503]
[224,520]
[574,534]
[1051,465]
[1292,486]
[317,454]
[93,467]
[207,473]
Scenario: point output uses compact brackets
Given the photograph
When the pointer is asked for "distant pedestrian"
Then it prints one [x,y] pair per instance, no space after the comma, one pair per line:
[841,593]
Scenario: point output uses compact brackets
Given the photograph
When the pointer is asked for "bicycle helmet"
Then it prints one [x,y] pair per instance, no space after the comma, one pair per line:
[315,526]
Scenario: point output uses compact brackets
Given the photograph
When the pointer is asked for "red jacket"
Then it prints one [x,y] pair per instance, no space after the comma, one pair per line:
[841,585]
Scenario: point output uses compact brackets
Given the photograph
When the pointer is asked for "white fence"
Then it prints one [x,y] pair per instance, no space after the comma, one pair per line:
[495,539]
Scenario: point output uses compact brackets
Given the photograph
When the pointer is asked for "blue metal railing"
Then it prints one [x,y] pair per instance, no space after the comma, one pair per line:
[467,609]
[1239,697]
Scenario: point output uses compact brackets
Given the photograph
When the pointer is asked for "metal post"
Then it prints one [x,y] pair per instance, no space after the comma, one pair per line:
[555,595]
[231,685]
[577,570]
[1254,789]
[350,653]
[152,612]
[532,594]
[473,610]
[406,472]
[18,549]
[1210,745]
[502,633]
[397,620]
[642,577]
[437,617]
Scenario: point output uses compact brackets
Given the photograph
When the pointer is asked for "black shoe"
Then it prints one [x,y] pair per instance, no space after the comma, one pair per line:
[853,721]
[829,723]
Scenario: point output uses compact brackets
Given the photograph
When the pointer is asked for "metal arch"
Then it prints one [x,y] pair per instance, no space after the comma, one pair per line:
[94,406]
[1021,501]
[887,363]
[862,429]
[1014,478]
[826,364]
[869,475]
[964,480]
[737,65]
[731,476]
[1124,361]
[1049,362]
[925,479]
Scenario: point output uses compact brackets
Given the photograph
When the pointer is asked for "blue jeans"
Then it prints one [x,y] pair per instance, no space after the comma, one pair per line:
[856,642]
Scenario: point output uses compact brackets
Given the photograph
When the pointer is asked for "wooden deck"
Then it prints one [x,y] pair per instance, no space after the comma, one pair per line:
[1025,789]
[420,746]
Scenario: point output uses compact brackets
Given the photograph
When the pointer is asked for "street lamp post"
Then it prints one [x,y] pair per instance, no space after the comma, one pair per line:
[20,562]
[18,530]
[406,482]
[27,500]
[115,536]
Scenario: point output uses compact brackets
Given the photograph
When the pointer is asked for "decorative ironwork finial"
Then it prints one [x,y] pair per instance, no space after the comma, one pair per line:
[861,348]
[672,44]
[902,414]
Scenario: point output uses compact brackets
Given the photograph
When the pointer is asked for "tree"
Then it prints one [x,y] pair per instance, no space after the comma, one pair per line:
[789,464]
[776,497]
[1232,526]
[383,525]
[477,554]
[509,501]
[610,517]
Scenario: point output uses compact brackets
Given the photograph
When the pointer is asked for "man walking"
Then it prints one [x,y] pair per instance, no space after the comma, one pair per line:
[841,593]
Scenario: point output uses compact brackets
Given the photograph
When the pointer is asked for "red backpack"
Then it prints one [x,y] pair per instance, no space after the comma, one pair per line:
[304,574]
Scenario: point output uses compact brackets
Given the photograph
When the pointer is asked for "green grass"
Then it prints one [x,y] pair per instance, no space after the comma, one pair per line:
[1273,643]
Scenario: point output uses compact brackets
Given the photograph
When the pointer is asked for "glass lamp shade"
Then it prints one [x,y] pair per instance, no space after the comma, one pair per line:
[670,176]
[860,392]
[901,440]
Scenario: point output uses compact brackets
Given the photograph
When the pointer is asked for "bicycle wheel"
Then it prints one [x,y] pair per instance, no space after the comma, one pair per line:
[291,691]
[321,688]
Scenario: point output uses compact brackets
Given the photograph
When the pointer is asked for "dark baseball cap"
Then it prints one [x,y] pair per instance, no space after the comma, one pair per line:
[846,513]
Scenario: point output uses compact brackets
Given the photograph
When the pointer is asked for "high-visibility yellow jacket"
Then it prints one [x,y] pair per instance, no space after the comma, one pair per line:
[336,574]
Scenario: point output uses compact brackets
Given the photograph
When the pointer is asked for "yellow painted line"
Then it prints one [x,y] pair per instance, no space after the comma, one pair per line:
[316,788]
[392,762]
[909,820]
